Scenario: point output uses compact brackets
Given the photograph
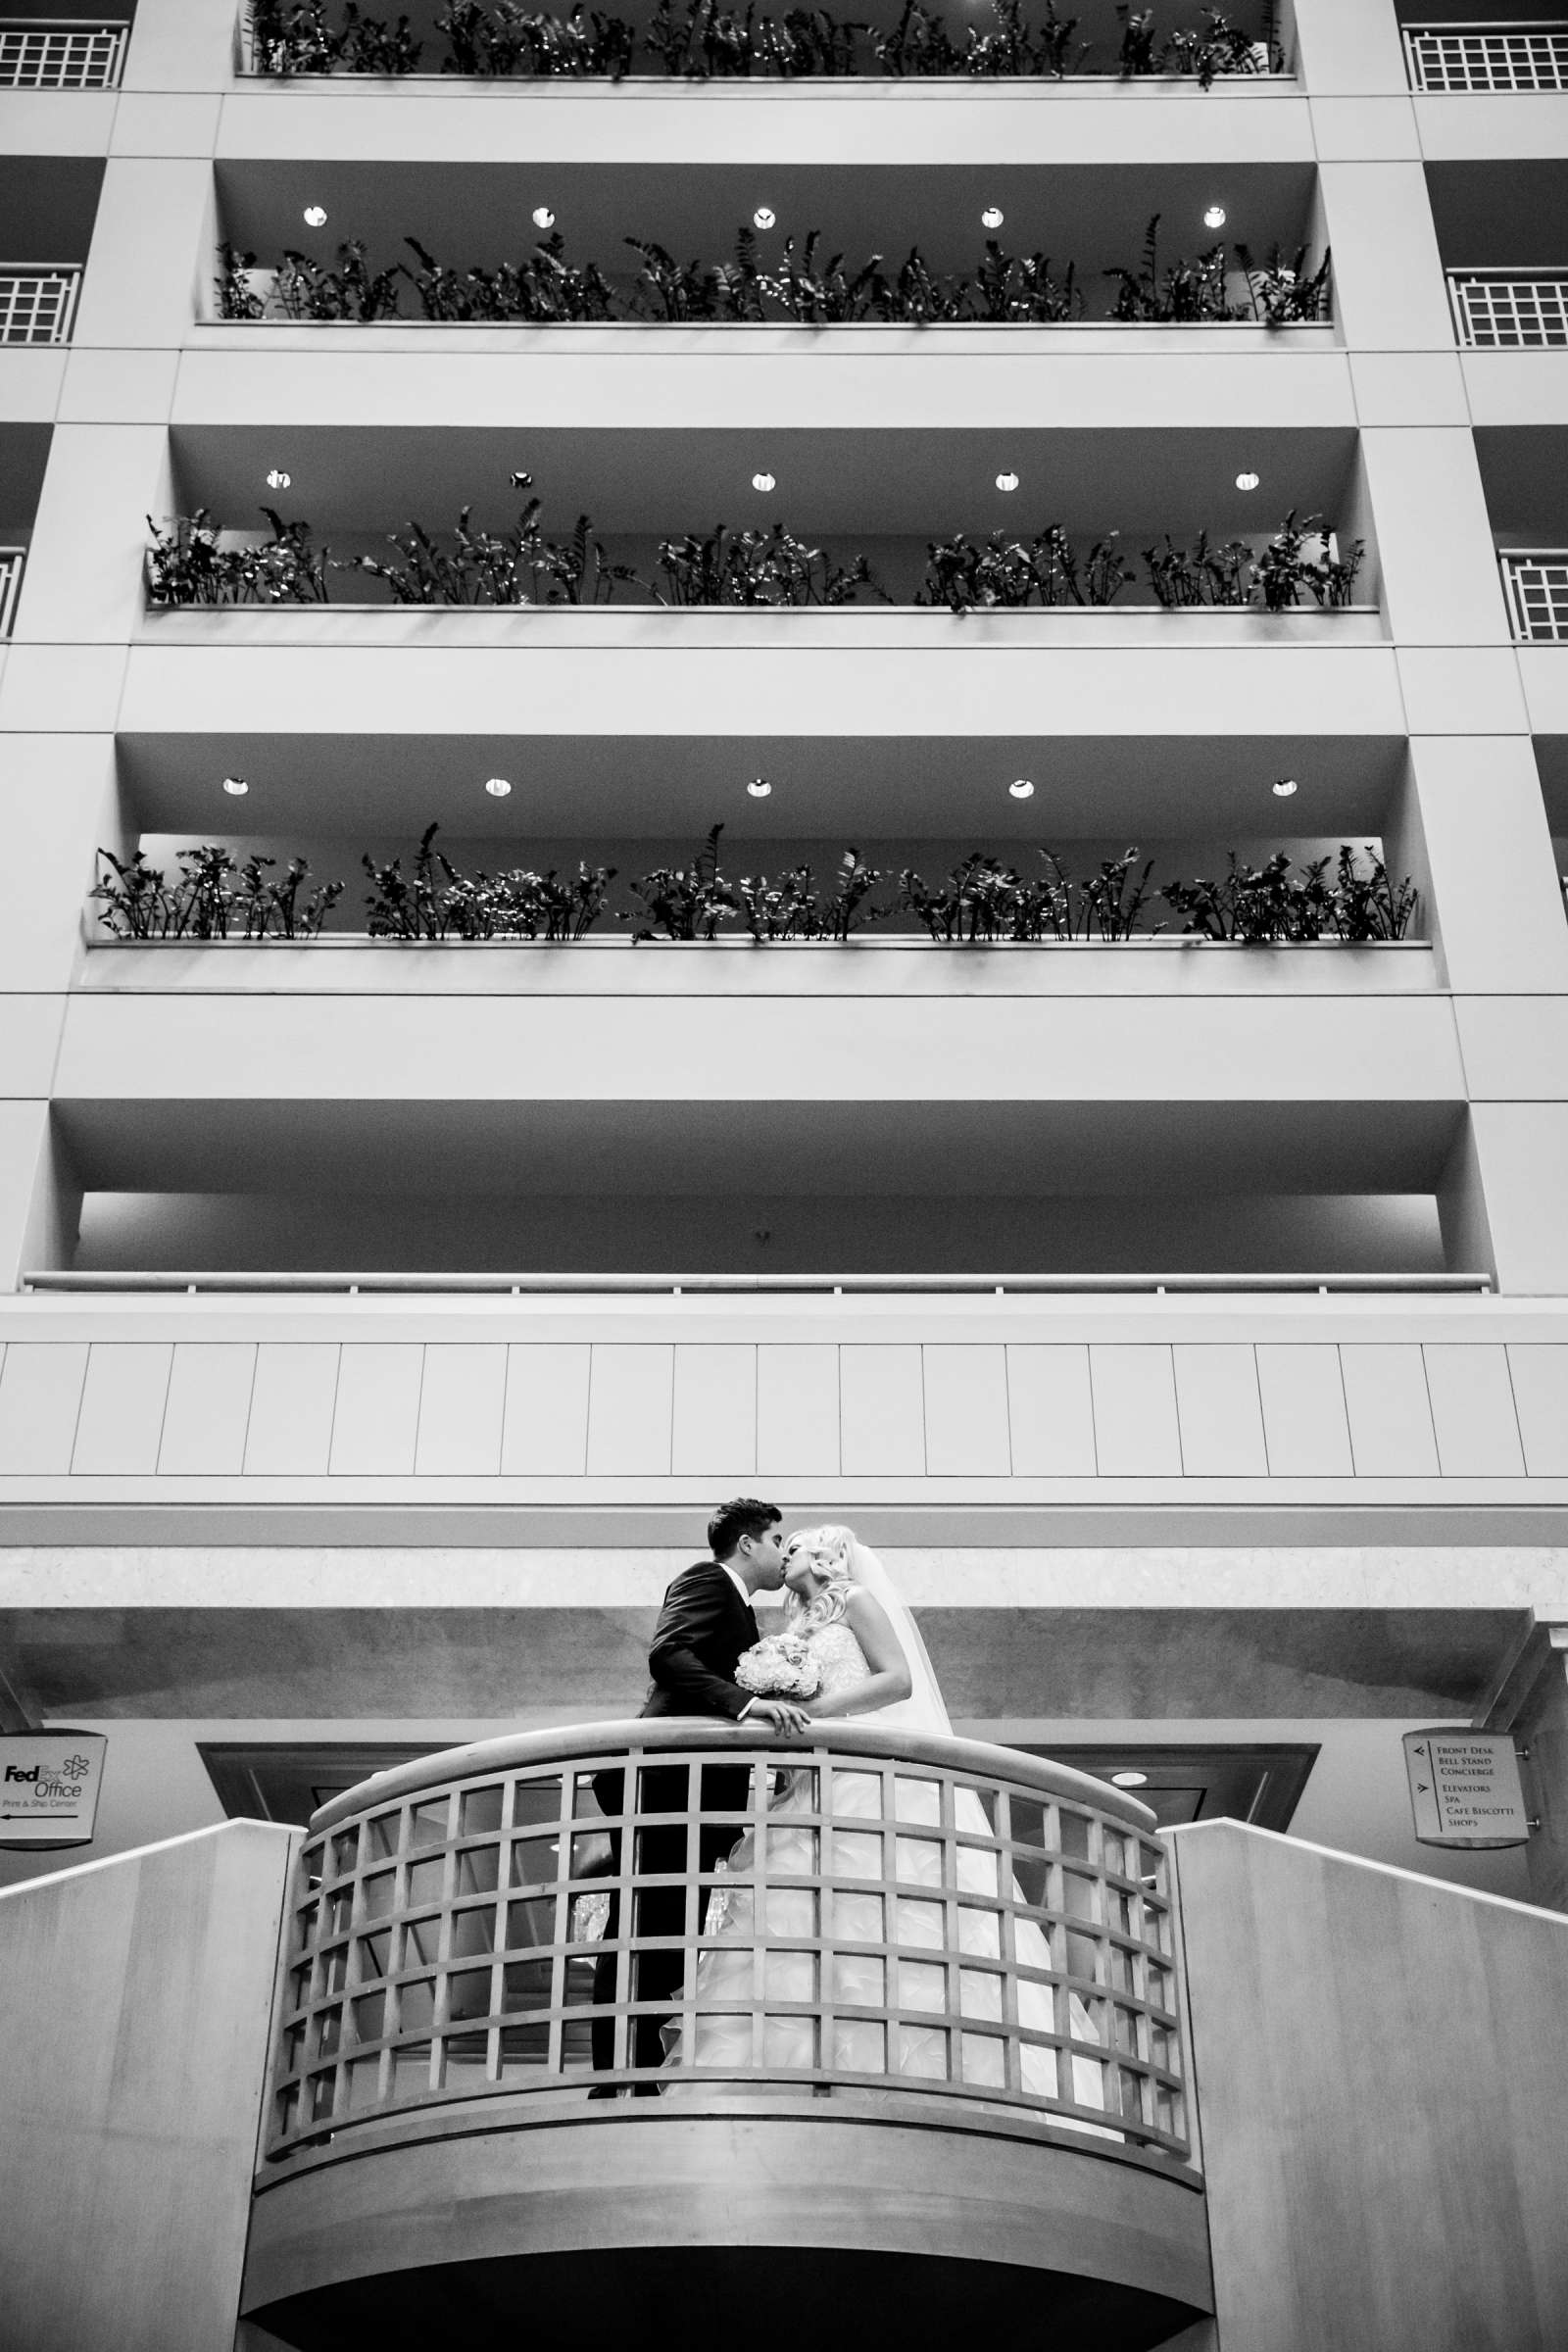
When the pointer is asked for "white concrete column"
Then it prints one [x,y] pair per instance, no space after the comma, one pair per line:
[84,583]
[152,253]
[1483,834]
[1388,290]
[181,45]
[40,1195]
[1508,1181]
[1346,48]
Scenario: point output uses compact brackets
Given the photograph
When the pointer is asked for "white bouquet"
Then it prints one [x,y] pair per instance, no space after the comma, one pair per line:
[779,1666]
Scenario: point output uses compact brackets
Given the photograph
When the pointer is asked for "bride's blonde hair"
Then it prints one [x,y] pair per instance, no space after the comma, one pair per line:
[829,1550]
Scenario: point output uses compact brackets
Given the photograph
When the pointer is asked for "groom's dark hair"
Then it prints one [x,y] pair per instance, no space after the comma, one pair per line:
[745,1516]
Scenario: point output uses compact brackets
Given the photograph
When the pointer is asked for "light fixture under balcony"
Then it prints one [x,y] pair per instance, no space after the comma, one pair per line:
[758,788]
[236,787]
[316,216]
[1006,481]
[277,479]
[764,482]
[1285,787]
[1214,218]
[543,216]
[1022,788]
[1248,482]
[993,217]
[497,787]
[1129,1780]
[763,217]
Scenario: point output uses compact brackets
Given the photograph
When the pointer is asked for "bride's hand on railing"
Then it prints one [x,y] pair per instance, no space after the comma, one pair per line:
[782,1714]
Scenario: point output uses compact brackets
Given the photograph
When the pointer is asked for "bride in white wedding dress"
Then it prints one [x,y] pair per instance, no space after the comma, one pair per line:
[872,1664]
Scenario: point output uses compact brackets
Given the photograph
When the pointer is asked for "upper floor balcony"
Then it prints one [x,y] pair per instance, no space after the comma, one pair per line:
[37,303]
[1483,87]
[477,247]
[595,2013]
[691,45]
[1528,507]
[1488,56]
[62,53]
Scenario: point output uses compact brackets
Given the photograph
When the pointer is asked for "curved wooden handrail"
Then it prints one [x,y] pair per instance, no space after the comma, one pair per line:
[606,1742]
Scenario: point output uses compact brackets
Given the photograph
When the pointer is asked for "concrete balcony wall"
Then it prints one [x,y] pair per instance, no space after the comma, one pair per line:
[194,1049]
[1343,2021]
[133,2098]
[1021,1402]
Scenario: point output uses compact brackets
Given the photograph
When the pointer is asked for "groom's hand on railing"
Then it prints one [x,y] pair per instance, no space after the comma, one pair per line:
[781,1713]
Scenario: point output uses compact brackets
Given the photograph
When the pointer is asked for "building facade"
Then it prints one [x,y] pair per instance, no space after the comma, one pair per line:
[1174,1291]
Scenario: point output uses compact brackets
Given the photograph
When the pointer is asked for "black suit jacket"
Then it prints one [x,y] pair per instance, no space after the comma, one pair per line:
[703,1628]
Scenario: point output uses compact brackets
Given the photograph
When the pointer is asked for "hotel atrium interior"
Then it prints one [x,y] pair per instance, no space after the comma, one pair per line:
[815,756]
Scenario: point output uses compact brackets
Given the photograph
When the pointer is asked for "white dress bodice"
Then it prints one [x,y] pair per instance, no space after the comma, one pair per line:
[841,1662]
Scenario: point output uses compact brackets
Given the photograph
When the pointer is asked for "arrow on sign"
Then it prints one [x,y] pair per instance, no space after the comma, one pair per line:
[1422,1787]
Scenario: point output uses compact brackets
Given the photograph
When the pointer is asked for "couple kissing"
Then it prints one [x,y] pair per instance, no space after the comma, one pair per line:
[849,1646]
[708,1657]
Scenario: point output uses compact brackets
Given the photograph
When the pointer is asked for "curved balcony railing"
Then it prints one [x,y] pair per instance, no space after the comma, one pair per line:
[670,1908]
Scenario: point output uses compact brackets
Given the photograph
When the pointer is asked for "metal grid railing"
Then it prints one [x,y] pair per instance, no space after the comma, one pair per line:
[1509,310]
[670,1907]
[1535,581]
[61,53]
[38,305]
[11,560]
[1487,57]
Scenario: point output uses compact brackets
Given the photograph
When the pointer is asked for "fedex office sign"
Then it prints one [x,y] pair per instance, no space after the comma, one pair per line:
[49,1783]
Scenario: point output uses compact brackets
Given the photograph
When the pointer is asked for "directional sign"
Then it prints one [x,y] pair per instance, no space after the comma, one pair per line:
[49,1783]
[1464,1789]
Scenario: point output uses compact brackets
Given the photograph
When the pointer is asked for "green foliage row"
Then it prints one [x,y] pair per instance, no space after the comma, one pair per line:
[188,564]
[701,40]
[980,902]
[804,288]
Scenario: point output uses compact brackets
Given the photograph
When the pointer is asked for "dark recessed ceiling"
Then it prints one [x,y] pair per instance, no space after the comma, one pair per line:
[1259,1785]
[1094,215]
[682,1148]
[613,784]
[876,481]
[486,1665]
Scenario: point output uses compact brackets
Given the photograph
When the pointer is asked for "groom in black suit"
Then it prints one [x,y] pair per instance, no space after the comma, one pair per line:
[703,1626]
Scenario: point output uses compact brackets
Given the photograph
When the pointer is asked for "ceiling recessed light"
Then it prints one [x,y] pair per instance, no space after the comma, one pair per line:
[277,479]
[758,788]
[764,482]
[1214,218]
[236,787]
[763,217]
[497,787]
[1284,788]
[543,216]
[1021,788]
[1006,481]
[316,216]
[1247,481]
[1129,1780]
[993,217]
